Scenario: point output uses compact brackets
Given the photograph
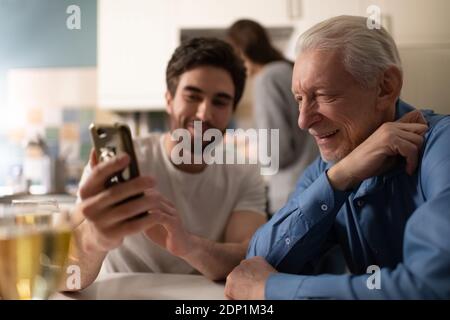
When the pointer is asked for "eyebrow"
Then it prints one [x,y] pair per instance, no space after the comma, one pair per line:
[318,88]
[193,89]
[222,95]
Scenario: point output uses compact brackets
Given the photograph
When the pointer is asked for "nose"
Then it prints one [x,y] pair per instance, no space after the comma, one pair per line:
[308,115]
[204,111]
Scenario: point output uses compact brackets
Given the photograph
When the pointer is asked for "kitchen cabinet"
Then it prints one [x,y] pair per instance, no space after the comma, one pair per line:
[415,22]
[220,14]
[137,37]
[409,21]
[135,41]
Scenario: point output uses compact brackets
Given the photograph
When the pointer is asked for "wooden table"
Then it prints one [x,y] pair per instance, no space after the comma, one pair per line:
[138,286]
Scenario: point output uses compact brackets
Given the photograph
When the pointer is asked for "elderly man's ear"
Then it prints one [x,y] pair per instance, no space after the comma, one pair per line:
[389,87]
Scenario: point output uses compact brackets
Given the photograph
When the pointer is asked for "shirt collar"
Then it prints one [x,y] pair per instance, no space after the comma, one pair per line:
[402,108]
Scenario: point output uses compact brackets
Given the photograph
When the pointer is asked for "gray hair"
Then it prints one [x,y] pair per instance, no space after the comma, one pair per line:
[365,52]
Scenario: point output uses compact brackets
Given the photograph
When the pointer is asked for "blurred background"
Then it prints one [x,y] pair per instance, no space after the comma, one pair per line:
[56,77]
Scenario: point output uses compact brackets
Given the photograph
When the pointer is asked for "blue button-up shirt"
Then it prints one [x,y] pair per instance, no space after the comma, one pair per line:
[397,222]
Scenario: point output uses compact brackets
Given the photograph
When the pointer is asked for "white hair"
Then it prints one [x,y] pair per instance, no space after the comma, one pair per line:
[365,52]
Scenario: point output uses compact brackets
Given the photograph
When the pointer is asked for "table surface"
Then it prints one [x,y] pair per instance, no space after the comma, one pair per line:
[148,286]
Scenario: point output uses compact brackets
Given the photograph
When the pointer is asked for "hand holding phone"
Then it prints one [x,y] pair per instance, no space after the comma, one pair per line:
[111,141]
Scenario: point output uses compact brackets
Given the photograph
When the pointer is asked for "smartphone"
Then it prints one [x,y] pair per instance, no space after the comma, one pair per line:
[114,140]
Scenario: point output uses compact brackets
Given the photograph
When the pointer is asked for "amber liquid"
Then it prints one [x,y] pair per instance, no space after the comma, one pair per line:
[32,262]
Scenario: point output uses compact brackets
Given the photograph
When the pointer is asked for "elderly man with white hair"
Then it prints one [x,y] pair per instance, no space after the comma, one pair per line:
[380,189]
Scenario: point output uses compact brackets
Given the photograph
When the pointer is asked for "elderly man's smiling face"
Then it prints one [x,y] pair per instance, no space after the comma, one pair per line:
[336,110]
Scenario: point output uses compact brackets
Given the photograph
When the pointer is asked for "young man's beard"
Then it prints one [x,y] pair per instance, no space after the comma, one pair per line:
[197,139]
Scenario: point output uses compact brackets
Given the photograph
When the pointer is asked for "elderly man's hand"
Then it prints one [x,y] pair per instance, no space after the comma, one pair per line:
[248,279]
[381,151]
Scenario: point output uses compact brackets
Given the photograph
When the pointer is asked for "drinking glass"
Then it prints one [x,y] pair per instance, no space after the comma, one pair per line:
[34,246]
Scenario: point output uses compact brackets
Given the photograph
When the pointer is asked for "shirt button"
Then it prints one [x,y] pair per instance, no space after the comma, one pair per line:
[360,203]
[288,241]
[324,207]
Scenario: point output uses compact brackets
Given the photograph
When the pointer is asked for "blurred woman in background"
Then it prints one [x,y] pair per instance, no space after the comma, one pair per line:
[274,106]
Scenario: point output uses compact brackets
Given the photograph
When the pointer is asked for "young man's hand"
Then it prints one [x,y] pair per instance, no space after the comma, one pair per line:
[106,221]
[167,228]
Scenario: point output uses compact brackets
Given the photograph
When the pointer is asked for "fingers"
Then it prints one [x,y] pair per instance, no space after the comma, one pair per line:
[93,159]
[103,210]
[163,218]
[161,198]
[407,140]
[112,224]
[129,227]
[95,183]
[133,226]
[418,128]
[229,284]
[228,291]
[123,191]
[130,209]
[410,152]
[412,137]
[381,150]
[169,209]
[413,117]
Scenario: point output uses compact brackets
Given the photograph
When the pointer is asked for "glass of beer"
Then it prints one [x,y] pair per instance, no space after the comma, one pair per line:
[34,247]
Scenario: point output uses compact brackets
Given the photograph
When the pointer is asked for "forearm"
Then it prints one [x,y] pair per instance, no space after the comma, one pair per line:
[399,283]
[84,256]
[215,260]
[300,229]
[340,178]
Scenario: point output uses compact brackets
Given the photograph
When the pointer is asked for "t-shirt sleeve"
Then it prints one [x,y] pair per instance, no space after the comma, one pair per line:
[252,191]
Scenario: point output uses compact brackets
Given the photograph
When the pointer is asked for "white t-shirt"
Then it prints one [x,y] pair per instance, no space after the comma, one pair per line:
[203,200]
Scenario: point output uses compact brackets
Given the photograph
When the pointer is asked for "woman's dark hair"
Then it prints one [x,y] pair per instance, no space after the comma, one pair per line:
[198,52]
[253,41]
